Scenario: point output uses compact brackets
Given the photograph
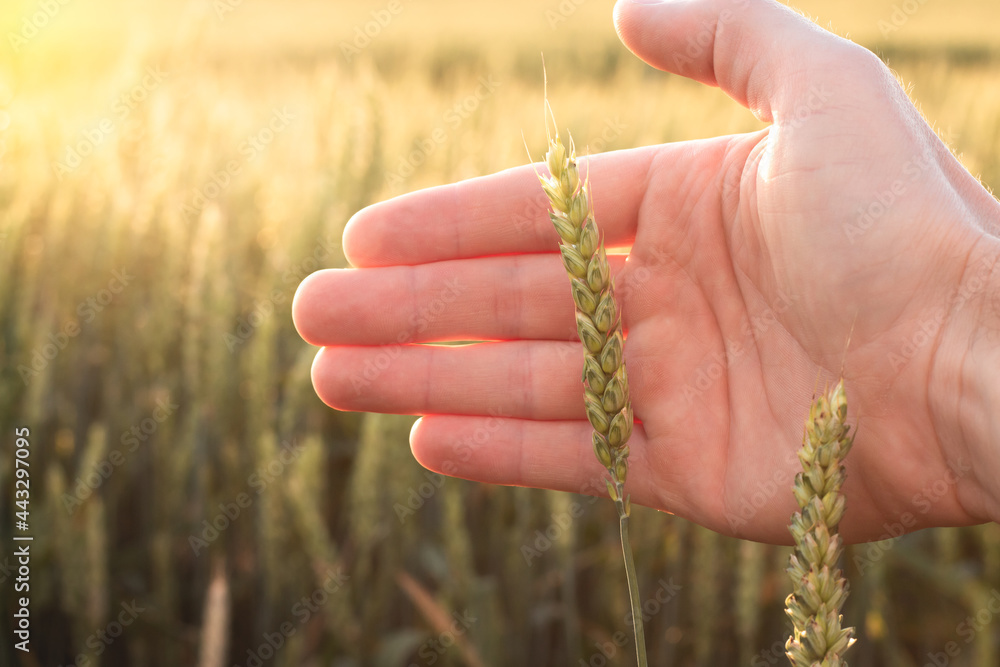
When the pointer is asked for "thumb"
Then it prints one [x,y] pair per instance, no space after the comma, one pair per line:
[761,53]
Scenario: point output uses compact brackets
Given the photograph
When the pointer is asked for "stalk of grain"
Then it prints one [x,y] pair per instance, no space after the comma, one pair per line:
[599,325]
[214,643]
[819,588]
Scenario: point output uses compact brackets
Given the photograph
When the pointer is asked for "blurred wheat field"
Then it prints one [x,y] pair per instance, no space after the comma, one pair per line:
[170,172]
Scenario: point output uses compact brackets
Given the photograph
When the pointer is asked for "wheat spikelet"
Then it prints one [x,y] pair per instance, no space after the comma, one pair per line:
[606,391]
[597,321]
[819,588]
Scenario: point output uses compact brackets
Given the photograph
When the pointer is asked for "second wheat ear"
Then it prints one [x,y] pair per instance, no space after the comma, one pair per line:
[599,324]
[818,636]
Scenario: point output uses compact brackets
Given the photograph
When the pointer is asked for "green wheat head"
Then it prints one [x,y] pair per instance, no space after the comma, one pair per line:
[598,322]
[819,587]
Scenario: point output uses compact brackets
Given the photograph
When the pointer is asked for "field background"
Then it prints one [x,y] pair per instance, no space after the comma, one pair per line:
[184,393]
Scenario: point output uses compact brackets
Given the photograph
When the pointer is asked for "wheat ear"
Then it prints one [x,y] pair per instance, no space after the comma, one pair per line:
[819,588]
[599,325]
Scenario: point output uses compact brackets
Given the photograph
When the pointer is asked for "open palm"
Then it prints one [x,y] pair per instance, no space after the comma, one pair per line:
[761,267]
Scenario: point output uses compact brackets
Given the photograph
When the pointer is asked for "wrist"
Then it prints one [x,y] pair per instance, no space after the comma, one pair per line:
[964,383]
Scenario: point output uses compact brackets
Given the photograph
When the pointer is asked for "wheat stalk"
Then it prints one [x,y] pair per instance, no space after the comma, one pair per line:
[215,618]
[599,326]
[819,588]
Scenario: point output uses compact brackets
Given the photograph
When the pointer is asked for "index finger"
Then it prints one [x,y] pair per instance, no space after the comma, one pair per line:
[499,214]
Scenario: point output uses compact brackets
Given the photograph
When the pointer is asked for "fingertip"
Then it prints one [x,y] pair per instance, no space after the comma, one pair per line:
[671,36]
[760,52]
[345,379]
[355,239]
[307,307]
[319,375]
[382,234]
[628,15]
[617,15]
[303,308]
[413,440]
[429,452]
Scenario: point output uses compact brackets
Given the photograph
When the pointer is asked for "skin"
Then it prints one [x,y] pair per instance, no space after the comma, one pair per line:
[770,245]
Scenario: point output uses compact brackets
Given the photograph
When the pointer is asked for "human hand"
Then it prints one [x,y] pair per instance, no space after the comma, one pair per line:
[781,248]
